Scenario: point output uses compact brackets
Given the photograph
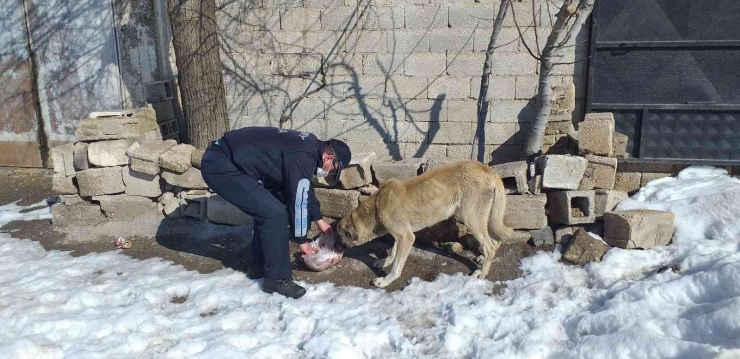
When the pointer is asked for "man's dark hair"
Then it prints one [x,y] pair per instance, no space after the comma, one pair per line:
[330,149]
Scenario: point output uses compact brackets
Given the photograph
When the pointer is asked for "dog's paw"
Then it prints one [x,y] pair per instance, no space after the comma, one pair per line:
[381,282]
[480,259]
[478,274]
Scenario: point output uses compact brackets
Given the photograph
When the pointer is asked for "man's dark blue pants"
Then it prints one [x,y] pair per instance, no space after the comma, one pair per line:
[270,245]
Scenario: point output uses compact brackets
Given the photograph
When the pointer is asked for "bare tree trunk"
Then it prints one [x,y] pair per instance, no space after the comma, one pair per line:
[195,39]
[558,40]
[483,100]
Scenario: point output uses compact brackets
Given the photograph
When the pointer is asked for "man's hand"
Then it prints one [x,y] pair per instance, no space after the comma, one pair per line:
[324,226]
[306,249]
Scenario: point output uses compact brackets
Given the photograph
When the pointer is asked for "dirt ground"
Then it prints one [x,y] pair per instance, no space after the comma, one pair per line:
[206,247]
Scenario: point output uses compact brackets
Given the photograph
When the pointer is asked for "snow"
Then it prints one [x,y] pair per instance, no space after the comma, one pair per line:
[53,305]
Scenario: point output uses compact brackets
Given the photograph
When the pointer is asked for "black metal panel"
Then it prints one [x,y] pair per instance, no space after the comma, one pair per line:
[667,20]
[668,70]
[692,135]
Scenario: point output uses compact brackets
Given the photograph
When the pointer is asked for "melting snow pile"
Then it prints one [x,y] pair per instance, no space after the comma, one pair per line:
[108,305]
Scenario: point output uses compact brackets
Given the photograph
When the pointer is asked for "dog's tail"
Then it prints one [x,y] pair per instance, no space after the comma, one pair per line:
[496,227]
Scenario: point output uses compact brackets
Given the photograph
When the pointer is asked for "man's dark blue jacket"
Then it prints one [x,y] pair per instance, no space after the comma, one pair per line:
[283,160]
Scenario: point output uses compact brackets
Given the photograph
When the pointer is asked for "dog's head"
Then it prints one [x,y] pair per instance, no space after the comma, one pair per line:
[347,231]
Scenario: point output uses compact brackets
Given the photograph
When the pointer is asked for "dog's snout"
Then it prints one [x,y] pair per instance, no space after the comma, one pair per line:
[339,246]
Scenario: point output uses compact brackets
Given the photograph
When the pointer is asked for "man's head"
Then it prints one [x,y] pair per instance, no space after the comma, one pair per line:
[335,158]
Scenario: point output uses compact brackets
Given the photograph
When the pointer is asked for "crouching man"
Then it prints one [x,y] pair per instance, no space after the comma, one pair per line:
[245,164]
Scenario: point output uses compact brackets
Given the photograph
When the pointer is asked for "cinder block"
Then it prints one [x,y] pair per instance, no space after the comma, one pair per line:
[63,184]
[426,64]
[300,19]
[619,142]
[601,171]
[526,211]
[194,203]
[453,133]
[606,200]
[80,161]
[465,64]
[514,63]
[383,18]
[478,16]
[499,133]
[150,152]
[507,41]
[367,41]
[462,111]
[560,171]
[450,88]
[169,205]
[424,110]
[535,184]
[296,64]
[141,184]
[564,96]
[406,41]
[526,86]
[595,137]
[514,176]
[337,203]
[100,181]
[455,41]
[400,170]
[336,19]
[383,64]
[218,210]
[359,172]
[123,207]
[62,158]
[425,17]
[499,87]
[177,158]
[638,228]
[86,214]
[627,182]
[191,178]
[572,207]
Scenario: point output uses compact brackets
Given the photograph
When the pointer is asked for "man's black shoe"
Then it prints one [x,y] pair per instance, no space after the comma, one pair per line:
[255,271]
[285,287]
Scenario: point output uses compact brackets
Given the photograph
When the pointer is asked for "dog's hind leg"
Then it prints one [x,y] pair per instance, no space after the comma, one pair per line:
[382,263]
[404,241]
[489,248]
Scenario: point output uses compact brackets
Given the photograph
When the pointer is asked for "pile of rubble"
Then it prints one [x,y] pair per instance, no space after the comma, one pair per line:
[122,169]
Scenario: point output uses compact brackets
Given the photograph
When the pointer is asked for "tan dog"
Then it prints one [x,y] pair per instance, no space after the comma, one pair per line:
[471,192]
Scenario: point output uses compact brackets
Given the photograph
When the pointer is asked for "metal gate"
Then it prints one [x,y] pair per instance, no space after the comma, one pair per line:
[669,70]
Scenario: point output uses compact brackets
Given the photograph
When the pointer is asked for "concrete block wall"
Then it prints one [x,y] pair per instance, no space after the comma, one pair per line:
[402,80]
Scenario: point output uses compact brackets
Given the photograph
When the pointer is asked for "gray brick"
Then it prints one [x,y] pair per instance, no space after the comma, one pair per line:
[513,63]
[367,41]
[300,19]
[425,17]
[348,109]
[465,64]
[282,3]
[323,129]
[458,152]
[337,18]
[321,41]
[347,64]
[499,87]
[500,133]
[405,41]
[267,18]
[450,87]
[384,110]
[496,154]
[385,151]
[323,4]
[427,151]
[523,11]
[453,133]
[525,211]
[398,2]
[381,64]
[369,87]
[471,16]
[463,111]
[383,17]
[425,64]
[571,207]
[511,111]
[507,41]
[294,64]
[309,108]
[407,87]
[526,86]
[451,40]
[424,110]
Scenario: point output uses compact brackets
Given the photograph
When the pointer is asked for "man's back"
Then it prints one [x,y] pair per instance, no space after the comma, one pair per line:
[260,151]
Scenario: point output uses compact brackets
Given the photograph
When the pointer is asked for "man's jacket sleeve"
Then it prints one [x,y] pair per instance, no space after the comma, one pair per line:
[303,207]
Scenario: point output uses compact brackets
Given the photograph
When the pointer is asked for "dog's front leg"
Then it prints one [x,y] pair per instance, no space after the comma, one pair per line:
[382,263]
[402,250]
